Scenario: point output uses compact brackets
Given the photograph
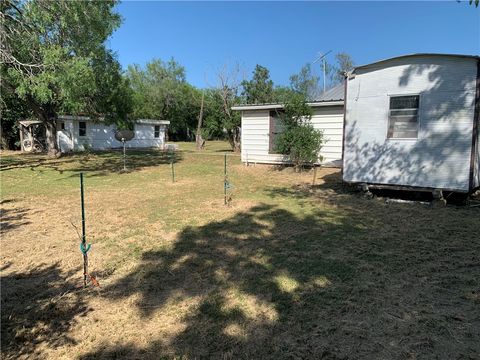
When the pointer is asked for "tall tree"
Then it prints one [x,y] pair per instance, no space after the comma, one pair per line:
[220,120]
[162,92]
[53,56]
[259,90]
[344,64]
[305,82]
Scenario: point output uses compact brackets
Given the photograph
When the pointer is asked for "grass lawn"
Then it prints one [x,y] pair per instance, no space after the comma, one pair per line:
[286,271]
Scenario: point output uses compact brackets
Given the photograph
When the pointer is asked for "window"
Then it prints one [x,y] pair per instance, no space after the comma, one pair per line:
[61,125]
[403,117]
[82,128]
[156,131]
[274,127]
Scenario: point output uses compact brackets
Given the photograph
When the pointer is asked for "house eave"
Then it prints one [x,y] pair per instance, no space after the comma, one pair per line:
[281,106]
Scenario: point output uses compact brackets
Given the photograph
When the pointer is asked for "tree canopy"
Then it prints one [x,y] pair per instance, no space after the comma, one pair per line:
[305,83]
[53,57]
[258,90]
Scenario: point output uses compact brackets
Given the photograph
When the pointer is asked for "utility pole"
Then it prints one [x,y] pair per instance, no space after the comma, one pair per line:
[324,61]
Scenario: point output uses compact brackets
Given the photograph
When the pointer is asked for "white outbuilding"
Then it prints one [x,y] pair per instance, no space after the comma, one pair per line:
[78,133]
[260,124]
[413,122]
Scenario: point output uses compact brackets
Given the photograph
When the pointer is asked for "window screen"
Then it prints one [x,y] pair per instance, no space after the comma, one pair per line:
[274,129]
[82,128]
[156,131]
[403,117]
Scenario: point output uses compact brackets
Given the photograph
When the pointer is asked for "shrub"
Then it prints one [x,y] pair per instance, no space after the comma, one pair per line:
[298,139]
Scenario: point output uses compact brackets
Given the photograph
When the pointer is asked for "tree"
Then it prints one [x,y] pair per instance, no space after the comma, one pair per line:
[305,82]
[259,90]
[220,119]
[299,139]
[53,57]
[160,91]
[12,109]
[344,64]
[281,94]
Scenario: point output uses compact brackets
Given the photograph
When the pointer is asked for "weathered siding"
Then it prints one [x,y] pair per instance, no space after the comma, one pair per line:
[256,131]
[439,158]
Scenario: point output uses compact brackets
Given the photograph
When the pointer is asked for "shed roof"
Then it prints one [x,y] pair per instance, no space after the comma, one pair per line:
[417,55]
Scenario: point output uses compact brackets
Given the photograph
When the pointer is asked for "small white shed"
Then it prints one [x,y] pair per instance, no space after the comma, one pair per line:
[77,133]
[260,124]
[412,122]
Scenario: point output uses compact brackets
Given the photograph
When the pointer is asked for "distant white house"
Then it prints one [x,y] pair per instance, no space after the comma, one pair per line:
[77,133]
[413,121]
[260,125]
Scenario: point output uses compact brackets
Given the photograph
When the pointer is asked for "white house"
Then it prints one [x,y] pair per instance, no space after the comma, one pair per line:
[260,124]
[413,121]
[77,133]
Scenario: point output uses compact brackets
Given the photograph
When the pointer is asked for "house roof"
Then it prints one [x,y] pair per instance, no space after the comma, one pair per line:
[280,106]
[138,121]
[336,93]
[417,55]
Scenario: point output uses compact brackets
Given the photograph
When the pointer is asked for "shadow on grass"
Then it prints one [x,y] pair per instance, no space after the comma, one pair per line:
[38,308]
[97,163]
[361,280]
[12,218]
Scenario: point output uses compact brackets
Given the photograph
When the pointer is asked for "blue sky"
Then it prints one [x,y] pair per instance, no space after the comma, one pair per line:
[203,36]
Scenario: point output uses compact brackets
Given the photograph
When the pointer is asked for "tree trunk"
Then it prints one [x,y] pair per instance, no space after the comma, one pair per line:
[234,137]
[51,137]
[198,136]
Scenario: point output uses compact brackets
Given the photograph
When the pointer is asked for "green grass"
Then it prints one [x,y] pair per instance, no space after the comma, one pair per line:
[287,270]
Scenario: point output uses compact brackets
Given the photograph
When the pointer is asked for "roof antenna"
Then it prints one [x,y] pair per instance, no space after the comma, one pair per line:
[322,58]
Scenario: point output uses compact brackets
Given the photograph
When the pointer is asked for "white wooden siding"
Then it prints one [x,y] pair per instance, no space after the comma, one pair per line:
[102,137]
[439,158]
[255,136]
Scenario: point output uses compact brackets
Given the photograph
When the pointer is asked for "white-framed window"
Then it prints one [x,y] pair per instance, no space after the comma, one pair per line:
[403,117]
[82,128]
[156,131]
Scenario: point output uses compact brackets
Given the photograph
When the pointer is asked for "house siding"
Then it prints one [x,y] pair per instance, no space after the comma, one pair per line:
[439,157]
[256,136]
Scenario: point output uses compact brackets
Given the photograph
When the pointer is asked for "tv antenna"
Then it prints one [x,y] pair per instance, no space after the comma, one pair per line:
[324,61]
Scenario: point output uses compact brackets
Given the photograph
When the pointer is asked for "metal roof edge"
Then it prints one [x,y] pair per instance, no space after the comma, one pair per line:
[415,55]
[280,106]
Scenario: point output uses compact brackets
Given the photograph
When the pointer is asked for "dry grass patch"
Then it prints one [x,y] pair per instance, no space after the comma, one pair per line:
[286,271]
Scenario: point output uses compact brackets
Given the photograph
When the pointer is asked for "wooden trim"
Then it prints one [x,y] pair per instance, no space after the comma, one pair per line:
[476,119]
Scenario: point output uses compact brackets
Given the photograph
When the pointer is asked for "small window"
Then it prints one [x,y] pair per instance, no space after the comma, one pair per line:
[403,117]
[156,131]
[82,128]
[61,125]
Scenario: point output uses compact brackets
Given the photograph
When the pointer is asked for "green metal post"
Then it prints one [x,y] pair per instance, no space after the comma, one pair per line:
[225,180]
[84,236]
[172,157]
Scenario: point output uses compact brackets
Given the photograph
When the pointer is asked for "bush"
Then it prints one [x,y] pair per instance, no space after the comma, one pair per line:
[299,139]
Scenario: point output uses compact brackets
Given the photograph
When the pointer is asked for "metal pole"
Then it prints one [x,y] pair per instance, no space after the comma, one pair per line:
[225,180]
[324,71]
[84,236]
[124,156]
